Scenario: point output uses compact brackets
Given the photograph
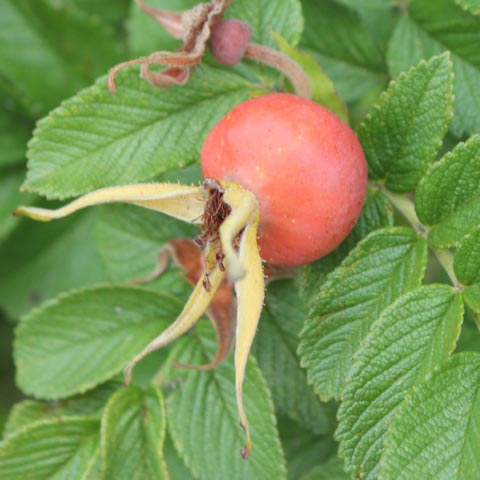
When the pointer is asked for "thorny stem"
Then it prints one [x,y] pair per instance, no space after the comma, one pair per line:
[406,207]
[284,64]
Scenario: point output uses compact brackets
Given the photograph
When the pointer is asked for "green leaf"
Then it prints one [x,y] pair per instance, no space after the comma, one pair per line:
[275,349]
[264,16]
[322,87]
[49,53]
[202,415]
[331,470]
[382,267]
[473,6]
[176,467]
[73,343]
[40,260]
[132,435]
[403,133]
[107,10]
[330,32]
[436,431]
[377,213]
[97,138]
[411,337]
[467,258]
[129,238]
[471,295]
[448,197]
[51,450]
[91,403]
[431,27]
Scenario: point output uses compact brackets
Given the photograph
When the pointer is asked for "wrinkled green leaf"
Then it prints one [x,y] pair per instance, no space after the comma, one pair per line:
[403,132]
[49,53]
[436,431]
[133,433]
[39,261]
[448,197]
[74,343]
[275,349]
[202,415]
[91,403]
[411,337]
[431,27]
[51,450]
[98,138]
[322,87]
[467,258]
[331,30]
[382,267]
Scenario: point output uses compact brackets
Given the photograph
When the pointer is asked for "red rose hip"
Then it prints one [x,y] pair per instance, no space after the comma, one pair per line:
[305,166]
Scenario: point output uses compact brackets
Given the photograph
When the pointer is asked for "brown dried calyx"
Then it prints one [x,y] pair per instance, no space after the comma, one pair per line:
[199,27]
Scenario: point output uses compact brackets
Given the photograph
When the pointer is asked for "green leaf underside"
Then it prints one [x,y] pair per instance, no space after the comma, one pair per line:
[431,28]
[472,6]
[202,415]
[275,349]
[51,450]
[133,433]
[403,132]
[331,470]
[330,32]
[377,213]
[322,87]
[382,267]
[467,258]
[62,256]
[436,431]
[49,53]
[448,197]
[411,337]
[74,343]
[98,138]
[30,411]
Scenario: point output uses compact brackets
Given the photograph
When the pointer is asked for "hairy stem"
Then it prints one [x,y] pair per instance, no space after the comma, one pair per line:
[404,204]
[284,64]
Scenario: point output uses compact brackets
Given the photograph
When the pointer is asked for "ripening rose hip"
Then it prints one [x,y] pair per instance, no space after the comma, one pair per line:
[305,166]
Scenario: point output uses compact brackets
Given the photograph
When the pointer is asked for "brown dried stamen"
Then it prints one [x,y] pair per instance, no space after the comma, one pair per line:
[216,211]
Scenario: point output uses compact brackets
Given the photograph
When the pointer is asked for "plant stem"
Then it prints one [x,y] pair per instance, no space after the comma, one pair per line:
[404,204]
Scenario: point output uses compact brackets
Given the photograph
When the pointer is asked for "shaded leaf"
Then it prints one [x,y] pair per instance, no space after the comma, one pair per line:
[382,267]
[51,450]
[330,32]
[448,197]
[331,470]
[275,349]
[403,132]
[133,432]
[98,139]
[436,431]
[49,53]
[74,343]
[202,415]
[411,337]
[39,261]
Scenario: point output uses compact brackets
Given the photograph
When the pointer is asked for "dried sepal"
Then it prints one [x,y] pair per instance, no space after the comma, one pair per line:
[179,201]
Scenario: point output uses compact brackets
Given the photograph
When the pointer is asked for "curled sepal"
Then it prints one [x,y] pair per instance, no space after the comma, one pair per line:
[179,201]
[250,292]
[196,305]
[244,213]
